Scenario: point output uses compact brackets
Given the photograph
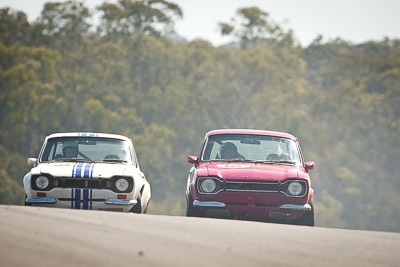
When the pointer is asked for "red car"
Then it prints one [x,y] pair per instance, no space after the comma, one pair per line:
[250,174]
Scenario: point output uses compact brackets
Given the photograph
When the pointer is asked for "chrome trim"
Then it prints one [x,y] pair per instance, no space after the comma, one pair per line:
[302,182]
[305,207]
[121,202]
[233,182]
[32,161]
[208,204]
[42,200]
[201,178]
[289,180]
[257,191]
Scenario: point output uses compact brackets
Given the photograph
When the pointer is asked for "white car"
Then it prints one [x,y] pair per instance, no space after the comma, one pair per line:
[92,171]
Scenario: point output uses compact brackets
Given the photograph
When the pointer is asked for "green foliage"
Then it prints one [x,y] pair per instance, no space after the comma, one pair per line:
[254,28]
[131,17]
[225,28]
[11,173]
[64,23]
[339,99]
[357,123]
[11,192]
[14,27]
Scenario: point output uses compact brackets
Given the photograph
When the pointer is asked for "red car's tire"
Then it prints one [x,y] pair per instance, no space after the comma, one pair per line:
[307,219]
[191,211]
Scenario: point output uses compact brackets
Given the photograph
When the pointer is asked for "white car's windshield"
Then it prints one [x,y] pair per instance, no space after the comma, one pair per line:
[253,148]
[92,149]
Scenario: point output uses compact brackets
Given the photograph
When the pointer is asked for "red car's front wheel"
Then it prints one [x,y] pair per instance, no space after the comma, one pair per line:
[191,211]
[307,219]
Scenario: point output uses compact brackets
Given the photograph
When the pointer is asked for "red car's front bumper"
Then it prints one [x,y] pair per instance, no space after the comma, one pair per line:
[252,204]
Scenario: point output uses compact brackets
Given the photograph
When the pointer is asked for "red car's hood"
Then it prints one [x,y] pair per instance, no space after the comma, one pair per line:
[251,171]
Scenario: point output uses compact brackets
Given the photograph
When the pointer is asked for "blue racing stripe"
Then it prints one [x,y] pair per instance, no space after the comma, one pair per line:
[73,169]
[77,199]
[78,173]
[85,199]
[72,197]
[91,172]
[86,171]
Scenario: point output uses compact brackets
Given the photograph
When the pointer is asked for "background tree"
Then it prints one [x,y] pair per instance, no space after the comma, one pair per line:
[129,17]
[14,27]
[64,23]
[254,28]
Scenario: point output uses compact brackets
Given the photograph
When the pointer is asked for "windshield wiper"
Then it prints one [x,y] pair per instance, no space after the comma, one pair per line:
[114,160]
[277,161]
[69,160]
[237,160]
[111,160]
[287,161]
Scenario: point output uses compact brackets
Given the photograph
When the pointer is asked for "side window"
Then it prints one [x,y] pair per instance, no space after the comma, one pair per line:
[52,151]
[293,152]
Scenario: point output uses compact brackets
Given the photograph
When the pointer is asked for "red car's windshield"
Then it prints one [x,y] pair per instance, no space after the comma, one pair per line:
[248,147]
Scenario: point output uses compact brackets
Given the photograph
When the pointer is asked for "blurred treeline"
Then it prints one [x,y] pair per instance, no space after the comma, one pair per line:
[131,75]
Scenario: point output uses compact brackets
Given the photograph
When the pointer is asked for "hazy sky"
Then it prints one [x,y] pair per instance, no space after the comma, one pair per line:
[355,21]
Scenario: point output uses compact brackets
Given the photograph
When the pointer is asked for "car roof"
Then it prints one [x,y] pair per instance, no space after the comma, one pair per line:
[76,134]
[250,131]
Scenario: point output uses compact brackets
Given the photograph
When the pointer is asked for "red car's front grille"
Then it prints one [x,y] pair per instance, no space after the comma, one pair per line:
[236,204]
[251,187]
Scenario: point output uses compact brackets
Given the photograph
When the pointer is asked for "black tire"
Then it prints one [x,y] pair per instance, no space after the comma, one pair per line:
[307,219]
[26,203]
[191,211]
[138,207]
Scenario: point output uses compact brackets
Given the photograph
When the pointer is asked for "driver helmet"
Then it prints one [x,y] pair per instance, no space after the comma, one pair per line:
[70,144]
[228,150]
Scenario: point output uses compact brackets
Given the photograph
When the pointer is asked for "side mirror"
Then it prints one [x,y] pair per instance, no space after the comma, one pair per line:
[309,165]
[192,159]
[32,161]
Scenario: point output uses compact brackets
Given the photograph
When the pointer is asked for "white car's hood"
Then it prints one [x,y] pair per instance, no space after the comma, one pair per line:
[81,170]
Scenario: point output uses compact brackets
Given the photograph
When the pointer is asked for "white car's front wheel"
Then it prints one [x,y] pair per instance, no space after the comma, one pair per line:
[26,203]
[138,207]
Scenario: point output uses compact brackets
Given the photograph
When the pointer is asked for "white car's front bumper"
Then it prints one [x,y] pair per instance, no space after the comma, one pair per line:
[49,200]
[87,199]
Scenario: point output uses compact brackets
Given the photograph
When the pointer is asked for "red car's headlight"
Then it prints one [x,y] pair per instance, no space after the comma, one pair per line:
[208,185]
[295,188]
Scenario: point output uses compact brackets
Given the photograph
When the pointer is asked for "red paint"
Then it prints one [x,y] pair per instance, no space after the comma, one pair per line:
[248,203]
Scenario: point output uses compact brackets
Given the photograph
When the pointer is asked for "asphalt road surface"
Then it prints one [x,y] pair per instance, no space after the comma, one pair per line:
[32,236]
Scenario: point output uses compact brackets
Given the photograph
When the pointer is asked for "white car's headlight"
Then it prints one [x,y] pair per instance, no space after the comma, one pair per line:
[295,188]
[208,185]
[42,182]
[121,184]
